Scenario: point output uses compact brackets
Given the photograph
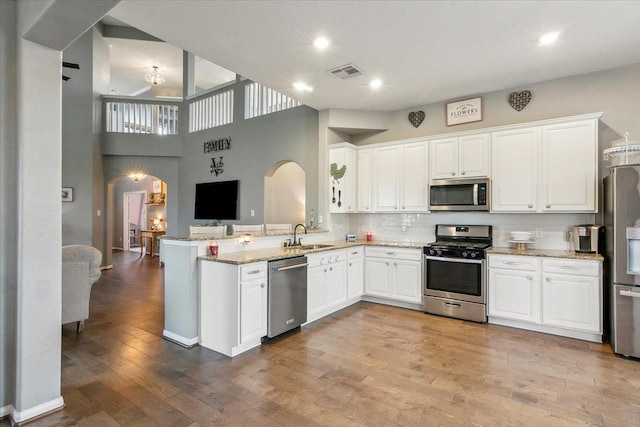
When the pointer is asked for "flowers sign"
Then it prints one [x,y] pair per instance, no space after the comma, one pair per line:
[469,110]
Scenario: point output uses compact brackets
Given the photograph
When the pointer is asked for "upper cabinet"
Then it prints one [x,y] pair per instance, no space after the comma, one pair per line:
[400,181]
[569,166]
[514,170]
[342,178]
[547,168]
[460,157]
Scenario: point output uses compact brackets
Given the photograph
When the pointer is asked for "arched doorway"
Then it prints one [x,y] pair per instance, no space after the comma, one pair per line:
[284,194]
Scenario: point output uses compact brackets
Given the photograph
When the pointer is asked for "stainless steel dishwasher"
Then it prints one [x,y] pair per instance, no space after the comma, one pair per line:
[287,295]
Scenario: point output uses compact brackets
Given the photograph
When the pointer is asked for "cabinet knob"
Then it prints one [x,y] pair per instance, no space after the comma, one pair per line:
[348,208]
[349,264]
[330,268]
[386,263]
[548,279]
[395,264]
[325,270]
[366,207]
[463,173]
[395,207]
[548,206]
[262,285]
[529,277]
[453,173]
[530,206]
[403,207]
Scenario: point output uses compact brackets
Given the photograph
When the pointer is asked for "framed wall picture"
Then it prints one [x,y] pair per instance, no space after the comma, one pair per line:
[67,194]
[157,186]
[467,111]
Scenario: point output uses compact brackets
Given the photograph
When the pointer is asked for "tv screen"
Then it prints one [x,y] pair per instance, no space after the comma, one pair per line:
[217,200]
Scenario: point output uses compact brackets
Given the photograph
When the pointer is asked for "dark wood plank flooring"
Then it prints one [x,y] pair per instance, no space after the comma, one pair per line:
[368,365]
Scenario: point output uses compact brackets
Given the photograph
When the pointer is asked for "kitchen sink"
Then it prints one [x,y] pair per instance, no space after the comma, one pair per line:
[316,246]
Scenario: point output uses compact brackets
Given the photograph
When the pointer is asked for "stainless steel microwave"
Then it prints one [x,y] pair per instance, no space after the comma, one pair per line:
[460,195]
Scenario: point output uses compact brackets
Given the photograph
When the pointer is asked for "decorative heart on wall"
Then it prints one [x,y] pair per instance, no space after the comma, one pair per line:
[519,100]
[416,118]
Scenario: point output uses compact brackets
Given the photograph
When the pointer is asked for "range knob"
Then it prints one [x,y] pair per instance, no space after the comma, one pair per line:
[431,252]
[465,254]
[439,253]
[473,254]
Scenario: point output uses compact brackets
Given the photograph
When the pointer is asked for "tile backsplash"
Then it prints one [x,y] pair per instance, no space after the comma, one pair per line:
[550,230]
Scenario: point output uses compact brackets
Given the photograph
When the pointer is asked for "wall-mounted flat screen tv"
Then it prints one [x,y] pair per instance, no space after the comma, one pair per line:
[217,200]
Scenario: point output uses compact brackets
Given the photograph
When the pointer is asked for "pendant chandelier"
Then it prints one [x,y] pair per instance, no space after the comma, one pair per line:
[155,78]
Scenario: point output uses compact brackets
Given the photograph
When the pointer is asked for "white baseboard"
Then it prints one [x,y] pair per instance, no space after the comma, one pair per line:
[5,411]
[37,411]
[178,339]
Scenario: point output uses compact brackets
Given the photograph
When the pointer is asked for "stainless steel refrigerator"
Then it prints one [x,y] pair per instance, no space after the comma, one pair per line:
[622,258]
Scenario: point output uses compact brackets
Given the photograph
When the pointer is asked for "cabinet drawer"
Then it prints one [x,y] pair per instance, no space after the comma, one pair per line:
[394,253]
[325,258]
[571,266]
[357,252]
[515,262]
[253,271]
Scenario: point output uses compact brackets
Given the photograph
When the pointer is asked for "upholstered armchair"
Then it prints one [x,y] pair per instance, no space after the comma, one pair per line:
[80,270]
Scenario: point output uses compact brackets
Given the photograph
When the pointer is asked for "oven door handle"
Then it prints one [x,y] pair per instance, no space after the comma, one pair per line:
[463,260]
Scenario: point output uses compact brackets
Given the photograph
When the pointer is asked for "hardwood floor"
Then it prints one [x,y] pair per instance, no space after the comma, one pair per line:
[368,365]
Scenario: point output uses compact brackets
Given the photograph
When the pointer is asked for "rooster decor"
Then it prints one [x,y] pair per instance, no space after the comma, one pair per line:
[336,173]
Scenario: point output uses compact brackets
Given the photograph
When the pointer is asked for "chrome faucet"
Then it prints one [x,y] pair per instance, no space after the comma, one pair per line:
[298,243]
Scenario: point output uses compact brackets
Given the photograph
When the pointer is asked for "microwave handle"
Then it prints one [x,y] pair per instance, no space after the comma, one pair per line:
[475,194]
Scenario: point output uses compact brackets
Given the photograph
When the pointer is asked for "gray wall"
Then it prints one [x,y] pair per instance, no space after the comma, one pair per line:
[8,204]
[257,144]
[77,147]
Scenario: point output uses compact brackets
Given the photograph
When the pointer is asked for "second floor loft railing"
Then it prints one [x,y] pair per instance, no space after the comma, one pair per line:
[211,111]
[146,117]
[260,100]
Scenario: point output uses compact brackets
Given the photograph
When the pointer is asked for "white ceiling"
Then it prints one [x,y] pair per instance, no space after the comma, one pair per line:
[424,51]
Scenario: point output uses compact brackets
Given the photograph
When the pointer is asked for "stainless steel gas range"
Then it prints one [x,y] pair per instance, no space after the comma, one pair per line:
[455,272]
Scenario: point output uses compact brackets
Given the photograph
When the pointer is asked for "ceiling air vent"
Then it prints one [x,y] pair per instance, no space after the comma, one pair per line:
[346,71]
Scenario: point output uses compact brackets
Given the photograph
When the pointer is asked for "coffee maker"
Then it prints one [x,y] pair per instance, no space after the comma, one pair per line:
[588,238]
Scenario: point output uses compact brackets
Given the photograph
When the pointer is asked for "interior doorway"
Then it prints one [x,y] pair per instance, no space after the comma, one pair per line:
[134,216]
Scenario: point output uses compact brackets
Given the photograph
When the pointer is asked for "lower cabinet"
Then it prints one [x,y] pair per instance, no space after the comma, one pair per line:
[355,273]
[233,306]
[326,283]
[554,295]
[394,273]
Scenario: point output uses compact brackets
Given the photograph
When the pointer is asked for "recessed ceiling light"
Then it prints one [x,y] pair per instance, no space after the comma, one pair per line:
[375,84]
[303,87]
[548,38]
[321,43]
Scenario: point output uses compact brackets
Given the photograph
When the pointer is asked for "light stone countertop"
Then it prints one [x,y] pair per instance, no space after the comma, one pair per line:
[271,254]
[546,253]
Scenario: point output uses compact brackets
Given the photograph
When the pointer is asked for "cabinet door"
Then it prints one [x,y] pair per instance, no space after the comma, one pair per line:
[444,158]
[414,177]
[386,162]
[473,155]
[342,176]
[514,294]
[514,170]
[571,301]
[316,292]
[355,277]
[336,283]
[253,310]
[364,181]
[377,280]
[407,281]
[569,165]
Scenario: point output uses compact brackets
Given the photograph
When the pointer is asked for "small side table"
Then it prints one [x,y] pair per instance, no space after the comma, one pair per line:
[152,235]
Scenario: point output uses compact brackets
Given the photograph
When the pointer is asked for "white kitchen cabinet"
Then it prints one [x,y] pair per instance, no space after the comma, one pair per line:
[326,283]
[546,168]
[569,166]
[400,181]
[514,294]
[553,295]
[394,273]
[232,306]
[515,170]
[253,310]
[355,272]
[342,178]
[460,157]
[365,202]
[386,180]
[571,294]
